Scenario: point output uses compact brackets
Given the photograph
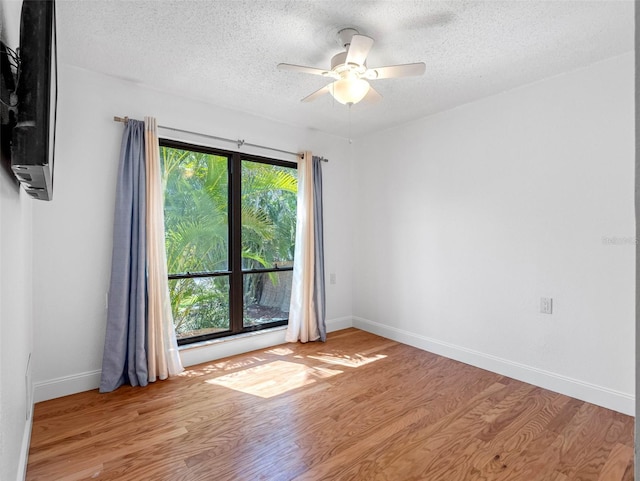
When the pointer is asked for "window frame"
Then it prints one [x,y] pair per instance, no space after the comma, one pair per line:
[234,225]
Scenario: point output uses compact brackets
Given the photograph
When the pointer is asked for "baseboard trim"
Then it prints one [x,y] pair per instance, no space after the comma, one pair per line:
[24,450]
[63,386]
[599,395]
[192,355]
[231,346]
[339,323]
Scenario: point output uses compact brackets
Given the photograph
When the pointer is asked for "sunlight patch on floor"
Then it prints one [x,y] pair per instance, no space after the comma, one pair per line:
[280,351]
[274,378]
[356,360]
[218,366]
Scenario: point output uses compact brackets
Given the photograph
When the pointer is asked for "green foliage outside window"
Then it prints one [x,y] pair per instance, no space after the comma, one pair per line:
[196,210]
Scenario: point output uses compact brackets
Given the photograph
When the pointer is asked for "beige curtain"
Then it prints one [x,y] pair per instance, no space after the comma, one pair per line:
[303,325]
[163,358]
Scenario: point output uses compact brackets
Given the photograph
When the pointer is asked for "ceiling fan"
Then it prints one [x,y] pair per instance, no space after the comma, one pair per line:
[350,72]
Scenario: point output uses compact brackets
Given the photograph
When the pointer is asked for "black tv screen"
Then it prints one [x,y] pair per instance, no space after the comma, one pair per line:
[33,140]
[8,102]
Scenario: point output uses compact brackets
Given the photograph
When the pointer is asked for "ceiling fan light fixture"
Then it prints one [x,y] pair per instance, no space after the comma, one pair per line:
[349,90]
[350,72]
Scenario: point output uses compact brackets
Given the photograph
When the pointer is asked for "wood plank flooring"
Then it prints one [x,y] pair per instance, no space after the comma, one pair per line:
[359,407]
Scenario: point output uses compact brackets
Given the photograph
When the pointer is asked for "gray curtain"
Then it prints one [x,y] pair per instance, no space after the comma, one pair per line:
[125,357]
[318,291]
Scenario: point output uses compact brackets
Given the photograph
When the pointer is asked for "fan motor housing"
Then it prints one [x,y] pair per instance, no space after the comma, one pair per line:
[338,60]
[338,65]
[345,35]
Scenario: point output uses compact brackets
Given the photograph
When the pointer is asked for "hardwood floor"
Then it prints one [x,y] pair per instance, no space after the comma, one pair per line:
[359,407]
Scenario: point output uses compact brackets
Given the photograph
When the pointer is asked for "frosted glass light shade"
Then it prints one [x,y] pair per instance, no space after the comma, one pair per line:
[349,90]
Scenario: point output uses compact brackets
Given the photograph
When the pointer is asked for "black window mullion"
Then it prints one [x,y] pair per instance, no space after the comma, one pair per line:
[235,252]
[265,270]
[198,275]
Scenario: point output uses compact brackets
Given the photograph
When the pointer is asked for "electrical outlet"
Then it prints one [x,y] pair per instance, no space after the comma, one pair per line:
[546,305]
[332,278]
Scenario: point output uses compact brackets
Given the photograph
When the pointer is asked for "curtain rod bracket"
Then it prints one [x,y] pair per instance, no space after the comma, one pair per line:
[240,143]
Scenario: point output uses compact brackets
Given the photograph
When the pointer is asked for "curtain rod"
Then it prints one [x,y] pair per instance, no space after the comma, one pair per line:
[238,142]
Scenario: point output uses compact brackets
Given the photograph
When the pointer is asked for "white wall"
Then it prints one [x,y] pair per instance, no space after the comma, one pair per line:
[73,234]
[465,219]
[16,325]
[16,320]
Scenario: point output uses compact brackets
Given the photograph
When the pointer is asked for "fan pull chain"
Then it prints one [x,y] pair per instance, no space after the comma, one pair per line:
[350,140]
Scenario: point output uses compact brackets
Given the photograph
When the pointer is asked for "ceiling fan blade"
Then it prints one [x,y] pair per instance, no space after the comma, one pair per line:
[372,96]
[316,94]
[301,69]
[359,49]
[396,71]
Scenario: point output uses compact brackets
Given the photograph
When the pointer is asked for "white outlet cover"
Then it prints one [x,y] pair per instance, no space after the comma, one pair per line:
[546,305]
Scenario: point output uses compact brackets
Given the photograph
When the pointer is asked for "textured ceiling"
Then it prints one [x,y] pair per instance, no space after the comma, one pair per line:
[226,51]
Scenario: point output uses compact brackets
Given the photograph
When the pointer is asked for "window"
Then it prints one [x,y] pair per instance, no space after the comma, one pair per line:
[230,222]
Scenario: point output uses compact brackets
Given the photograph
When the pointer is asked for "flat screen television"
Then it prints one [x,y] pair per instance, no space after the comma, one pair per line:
[33,139]
[8,103]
